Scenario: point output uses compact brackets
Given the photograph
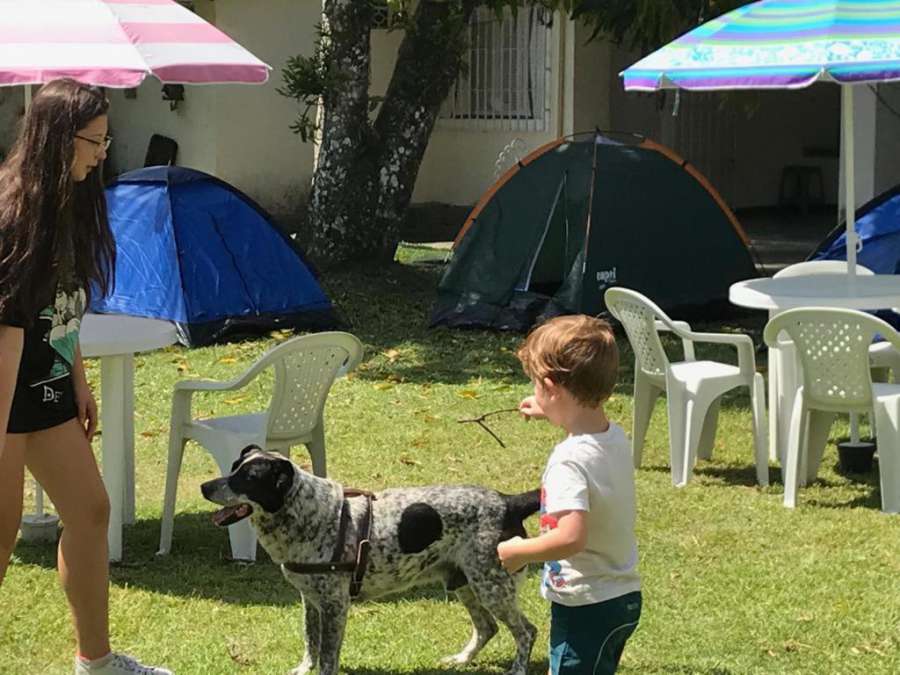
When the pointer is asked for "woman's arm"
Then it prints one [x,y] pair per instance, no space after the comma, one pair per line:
[11,341]
[84,398]
[565,540]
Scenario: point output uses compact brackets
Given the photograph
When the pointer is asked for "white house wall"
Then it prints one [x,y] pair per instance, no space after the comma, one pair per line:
[239,133]
[459,164]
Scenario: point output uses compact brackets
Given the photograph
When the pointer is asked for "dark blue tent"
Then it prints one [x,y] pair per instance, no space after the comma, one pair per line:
[878,226]
[196,251]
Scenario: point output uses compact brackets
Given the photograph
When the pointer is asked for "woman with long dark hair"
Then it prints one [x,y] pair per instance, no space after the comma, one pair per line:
[55,245]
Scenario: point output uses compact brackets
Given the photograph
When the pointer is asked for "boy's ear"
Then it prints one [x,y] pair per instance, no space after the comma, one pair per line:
[550,386]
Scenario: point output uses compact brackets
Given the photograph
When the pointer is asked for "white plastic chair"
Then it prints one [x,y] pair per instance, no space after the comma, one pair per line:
[832,346]
[693,388]
[305,368]
[882,355]
[783,378]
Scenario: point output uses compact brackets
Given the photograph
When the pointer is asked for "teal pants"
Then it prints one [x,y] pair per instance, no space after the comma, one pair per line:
[588,640]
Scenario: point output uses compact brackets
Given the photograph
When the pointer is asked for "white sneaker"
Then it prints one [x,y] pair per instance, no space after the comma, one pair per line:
[117,664]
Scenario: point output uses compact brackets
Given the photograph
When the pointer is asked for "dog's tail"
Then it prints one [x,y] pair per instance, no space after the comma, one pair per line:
[518,508]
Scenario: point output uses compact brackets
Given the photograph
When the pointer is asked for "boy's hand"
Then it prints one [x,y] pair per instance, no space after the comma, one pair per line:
[529,409]
[510,559]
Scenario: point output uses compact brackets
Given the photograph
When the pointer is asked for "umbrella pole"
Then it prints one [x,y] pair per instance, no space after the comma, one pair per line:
[849,187]
[849,207]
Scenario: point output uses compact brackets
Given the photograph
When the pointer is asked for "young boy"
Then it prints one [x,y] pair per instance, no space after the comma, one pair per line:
[587,541]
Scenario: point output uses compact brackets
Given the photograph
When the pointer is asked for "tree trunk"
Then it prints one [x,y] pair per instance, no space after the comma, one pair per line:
[366,173]
[346,157]
[428,63]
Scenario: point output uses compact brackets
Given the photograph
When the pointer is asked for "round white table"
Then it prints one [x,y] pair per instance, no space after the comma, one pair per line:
[115,339]
[879,291]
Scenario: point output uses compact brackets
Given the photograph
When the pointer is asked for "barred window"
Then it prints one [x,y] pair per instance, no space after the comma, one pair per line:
[507,72]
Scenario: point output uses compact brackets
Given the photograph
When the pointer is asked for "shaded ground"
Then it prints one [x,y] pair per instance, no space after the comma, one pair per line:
[781,237]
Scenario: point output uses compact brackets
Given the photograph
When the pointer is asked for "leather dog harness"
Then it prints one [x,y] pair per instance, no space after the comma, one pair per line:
[357,566]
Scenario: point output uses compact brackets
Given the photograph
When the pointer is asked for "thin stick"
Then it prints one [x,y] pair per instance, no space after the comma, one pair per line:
[480,422]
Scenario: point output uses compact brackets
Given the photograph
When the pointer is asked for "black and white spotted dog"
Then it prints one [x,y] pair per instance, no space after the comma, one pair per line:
[417,536]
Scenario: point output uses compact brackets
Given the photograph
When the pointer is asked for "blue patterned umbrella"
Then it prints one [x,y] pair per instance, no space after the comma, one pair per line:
[785,44]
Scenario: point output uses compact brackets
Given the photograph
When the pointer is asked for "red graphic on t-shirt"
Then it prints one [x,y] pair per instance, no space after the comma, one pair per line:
[552,569]
[548,521]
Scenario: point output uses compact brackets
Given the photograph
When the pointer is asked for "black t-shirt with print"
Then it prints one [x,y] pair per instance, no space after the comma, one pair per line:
[44,395]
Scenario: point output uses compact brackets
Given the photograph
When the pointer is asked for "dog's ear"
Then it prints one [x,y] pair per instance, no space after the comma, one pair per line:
[246,451]
[250,448]
[285,477]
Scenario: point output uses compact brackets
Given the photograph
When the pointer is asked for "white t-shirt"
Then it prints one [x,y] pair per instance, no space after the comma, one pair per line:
[593,473]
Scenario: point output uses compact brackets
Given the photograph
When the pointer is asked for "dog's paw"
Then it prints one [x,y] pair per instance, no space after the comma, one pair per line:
[460,659]
[304,668]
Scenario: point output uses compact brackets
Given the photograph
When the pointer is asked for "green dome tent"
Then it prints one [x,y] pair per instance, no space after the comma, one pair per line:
[581,214]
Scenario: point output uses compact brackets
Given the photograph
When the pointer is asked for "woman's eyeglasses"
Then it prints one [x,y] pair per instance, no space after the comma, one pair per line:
[105,143]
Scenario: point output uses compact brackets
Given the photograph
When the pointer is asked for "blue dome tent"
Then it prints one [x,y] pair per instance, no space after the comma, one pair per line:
[194,250]
[878,227]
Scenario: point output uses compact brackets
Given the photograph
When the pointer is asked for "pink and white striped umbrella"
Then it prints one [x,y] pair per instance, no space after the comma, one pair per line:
[117,43]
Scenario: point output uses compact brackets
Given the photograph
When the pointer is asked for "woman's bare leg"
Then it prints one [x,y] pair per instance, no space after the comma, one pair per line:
[12,479]
[62,461]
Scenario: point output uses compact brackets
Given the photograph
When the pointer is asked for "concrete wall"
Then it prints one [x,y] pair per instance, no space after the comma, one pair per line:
[240,133]
[740,140]
[459,164]
[593,78]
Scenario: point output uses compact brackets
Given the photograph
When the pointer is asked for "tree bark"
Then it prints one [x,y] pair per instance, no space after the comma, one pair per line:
[428,63]
[366,172]
[346,156]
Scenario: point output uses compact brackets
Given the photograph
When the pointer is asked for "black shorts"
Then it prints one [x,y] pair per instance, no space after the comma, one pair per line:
[42,405]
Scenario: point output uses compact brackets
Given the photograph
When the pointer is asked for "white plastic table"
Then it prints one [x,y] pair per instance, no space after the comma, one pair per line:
[115,339]
[821,290]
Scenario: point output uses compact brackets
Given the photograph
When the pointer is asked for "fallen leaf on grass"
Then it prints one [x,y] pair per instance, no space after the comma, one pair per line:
[236,399]
[234,651]
[468,393]
[392,355]
[149,434]
[794,646]
[382,386]
[408,461]
[228,359]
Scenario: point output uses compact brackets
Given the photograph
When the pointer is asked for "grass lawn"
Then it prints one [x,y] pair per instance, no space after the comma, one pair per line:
[733,582]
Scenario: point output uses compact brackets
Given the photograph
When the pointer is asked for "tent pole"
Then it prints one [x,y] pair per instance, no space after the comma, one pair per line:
[849,192]
[590,209]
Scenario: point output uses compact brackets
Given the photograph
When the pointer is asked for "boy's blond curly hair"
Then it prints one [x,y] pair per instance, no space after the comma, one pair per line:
[578,352]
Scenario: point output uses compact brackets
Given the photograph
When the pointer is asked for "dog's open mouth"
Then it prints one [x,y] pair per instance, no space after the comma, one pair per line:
[229,515]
